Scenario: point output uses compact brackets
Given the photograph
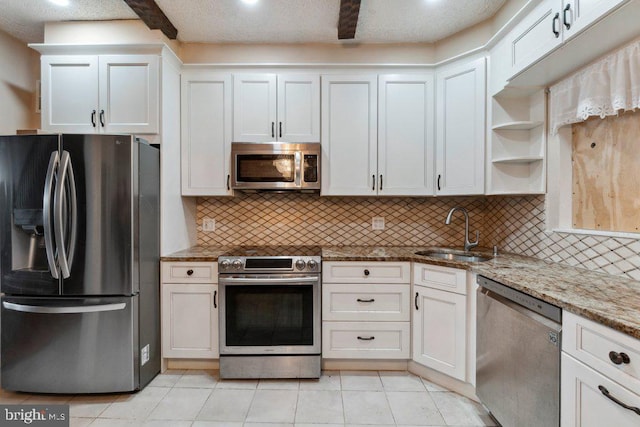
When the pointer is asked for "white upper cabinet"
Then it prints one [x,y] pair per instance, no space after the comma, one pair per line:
[377,135]
[551,23]
[538,33]
[270,107]
[100,93]
[206,133]
[460,129]
[405,134]
[349,139]
[579,14]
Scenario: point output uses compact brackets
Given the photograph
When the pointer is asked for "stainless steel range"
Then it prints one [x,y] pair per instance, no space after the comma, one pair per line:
[270,321]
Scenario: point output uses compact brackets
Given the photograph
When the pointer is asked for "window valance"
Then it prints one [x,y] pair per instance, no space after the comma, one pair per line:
[601,89]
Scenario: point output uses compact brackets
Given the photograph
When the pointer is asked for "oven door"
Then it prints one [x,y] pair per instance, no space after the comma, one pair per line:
[269,314]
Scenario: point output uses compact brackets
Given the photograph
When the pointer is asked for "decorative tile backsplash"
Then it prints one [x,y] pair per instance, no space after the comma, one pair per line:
[515,224]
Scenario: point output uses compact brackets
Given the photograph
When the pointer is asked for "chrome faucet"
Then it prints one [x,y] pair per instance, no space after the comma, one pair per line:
[467,244]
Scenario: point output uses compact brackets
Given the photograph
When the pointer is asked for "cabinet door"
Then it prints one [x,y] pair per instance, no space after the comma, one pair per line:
[254,107]
[439,331]
[405,135]
[461,129]
[206,133]
[190,321]
[349,139]
[298,108]
[583,401]
[129,93]
[70,93]
[536,35]
[579,14]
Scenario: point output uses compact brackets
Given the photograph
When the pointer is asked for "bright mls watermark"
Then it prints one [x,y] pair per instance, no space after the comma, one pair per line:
[34,415]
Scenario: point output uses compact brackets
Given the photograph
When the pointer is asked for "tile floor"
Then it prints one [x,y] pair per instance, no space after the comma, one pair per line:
[338,398]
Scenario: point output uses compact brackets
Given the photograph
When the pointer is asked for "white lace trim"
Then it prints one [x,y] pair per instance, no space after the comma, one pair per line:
[602,89]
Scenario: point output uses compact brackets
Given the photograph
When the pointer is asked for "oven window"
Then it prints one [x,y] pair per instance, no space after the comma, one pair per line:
[265,167]
[266,315]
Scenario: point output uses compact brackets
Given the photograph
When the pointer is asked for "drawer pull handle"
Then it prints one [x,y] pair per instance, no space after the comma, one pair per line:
[606,393]
[415,301]
[366,338]
[365,300]
[366,272]
[189,272]
[619,358]
[215,299]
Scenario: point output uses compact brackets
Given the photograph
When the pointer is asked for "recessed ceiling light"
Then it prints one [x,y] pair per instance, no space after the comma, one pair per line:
[60,2]
[249,2]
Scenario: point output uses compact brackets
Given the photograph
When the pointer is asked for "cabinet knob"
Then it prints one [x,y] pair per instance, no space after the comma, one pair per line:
[366,272]
[189,272]
[619,358]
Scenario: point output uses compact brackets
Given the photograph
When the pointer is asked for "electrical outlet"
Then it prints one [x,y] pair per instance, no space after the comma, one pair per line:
[144,355]
[208,224]
[377,223]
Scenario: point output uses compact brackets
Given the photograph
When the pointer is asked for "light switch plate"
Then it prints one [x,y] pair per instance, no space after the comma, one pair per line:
[208,224]
[377,223]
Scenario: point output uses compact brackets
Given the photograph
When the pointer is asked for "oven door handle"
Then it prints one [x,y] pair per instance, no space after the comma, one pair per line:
[267,280]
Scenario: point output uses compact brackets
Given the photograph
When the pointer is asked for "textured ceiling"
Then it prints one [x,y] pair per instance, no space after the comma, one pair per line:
[268,21]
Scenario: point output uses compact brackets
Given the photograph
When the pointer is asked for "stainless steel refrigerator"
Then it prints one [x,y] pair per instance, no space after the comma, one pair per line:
[79,263]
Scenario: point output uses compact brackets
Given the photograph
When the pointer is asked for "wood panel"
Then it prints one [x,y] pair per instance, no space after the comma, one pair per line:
[348,20]
[606,173]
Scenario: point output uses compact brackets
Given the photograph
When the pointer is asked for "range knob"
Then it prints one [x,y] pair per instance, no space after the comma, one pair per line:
[236,264]
[224,265]
[300,264]
[312,265]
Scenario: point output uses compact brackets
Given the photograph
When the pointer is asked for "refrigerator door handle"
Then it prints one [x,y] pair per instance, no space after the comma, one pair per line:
[60,215]
[63,310]
[73,197]
[54,163]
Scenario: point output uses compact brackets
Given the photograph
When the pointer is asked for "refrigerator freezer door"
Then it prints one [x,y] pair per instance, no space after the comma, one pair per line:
[28,169]
[100,259]
[70,345]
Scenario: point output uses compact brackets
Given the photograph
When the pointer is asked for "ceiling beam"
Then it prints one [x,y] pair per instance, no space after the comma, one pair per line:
[349,10]
[153,16]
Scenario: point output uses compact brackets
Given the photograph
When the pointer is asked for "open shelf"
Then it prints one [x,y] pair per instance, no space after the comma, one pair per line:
[517,143]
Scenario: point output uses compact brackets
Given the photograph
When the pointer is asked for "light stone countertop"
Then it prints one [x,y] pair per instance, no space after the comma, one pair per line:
[610,300]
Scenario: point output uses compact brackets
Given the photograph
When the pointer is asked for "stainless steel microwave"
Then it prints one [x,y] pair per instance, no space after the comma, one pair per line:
[275,166]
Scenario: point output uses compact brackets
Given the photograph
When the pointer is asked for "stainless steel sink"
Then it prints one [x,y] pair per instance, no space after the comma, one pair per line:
[454,255]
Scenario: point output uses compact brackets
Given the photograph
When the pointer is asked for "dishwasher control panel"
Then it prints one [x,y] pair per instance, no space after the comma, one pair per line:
[543,308]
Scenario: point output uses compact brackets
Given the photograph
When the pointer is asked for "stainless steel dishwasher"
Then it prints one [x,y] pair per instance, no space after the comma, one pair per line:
[518,356]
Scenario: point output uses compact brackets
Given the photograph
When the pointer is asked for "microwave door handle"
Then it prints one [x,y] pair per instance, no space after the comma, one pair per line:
[298,170]
[54,163]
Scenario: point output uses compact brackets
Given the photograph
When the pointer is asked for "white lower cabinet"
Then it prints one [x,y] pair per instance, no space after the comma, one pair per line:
[365,310]
[365,340]
[584,400]
[600,375]
[189,313]
[440,319]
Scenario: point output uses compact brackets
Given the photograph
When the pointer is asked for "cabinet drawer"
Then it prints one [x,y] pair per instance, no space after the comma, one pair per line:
[362,340]
[591,343]
[445,278]
[189,272]
[583,402]
[365,302]
[366,272]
